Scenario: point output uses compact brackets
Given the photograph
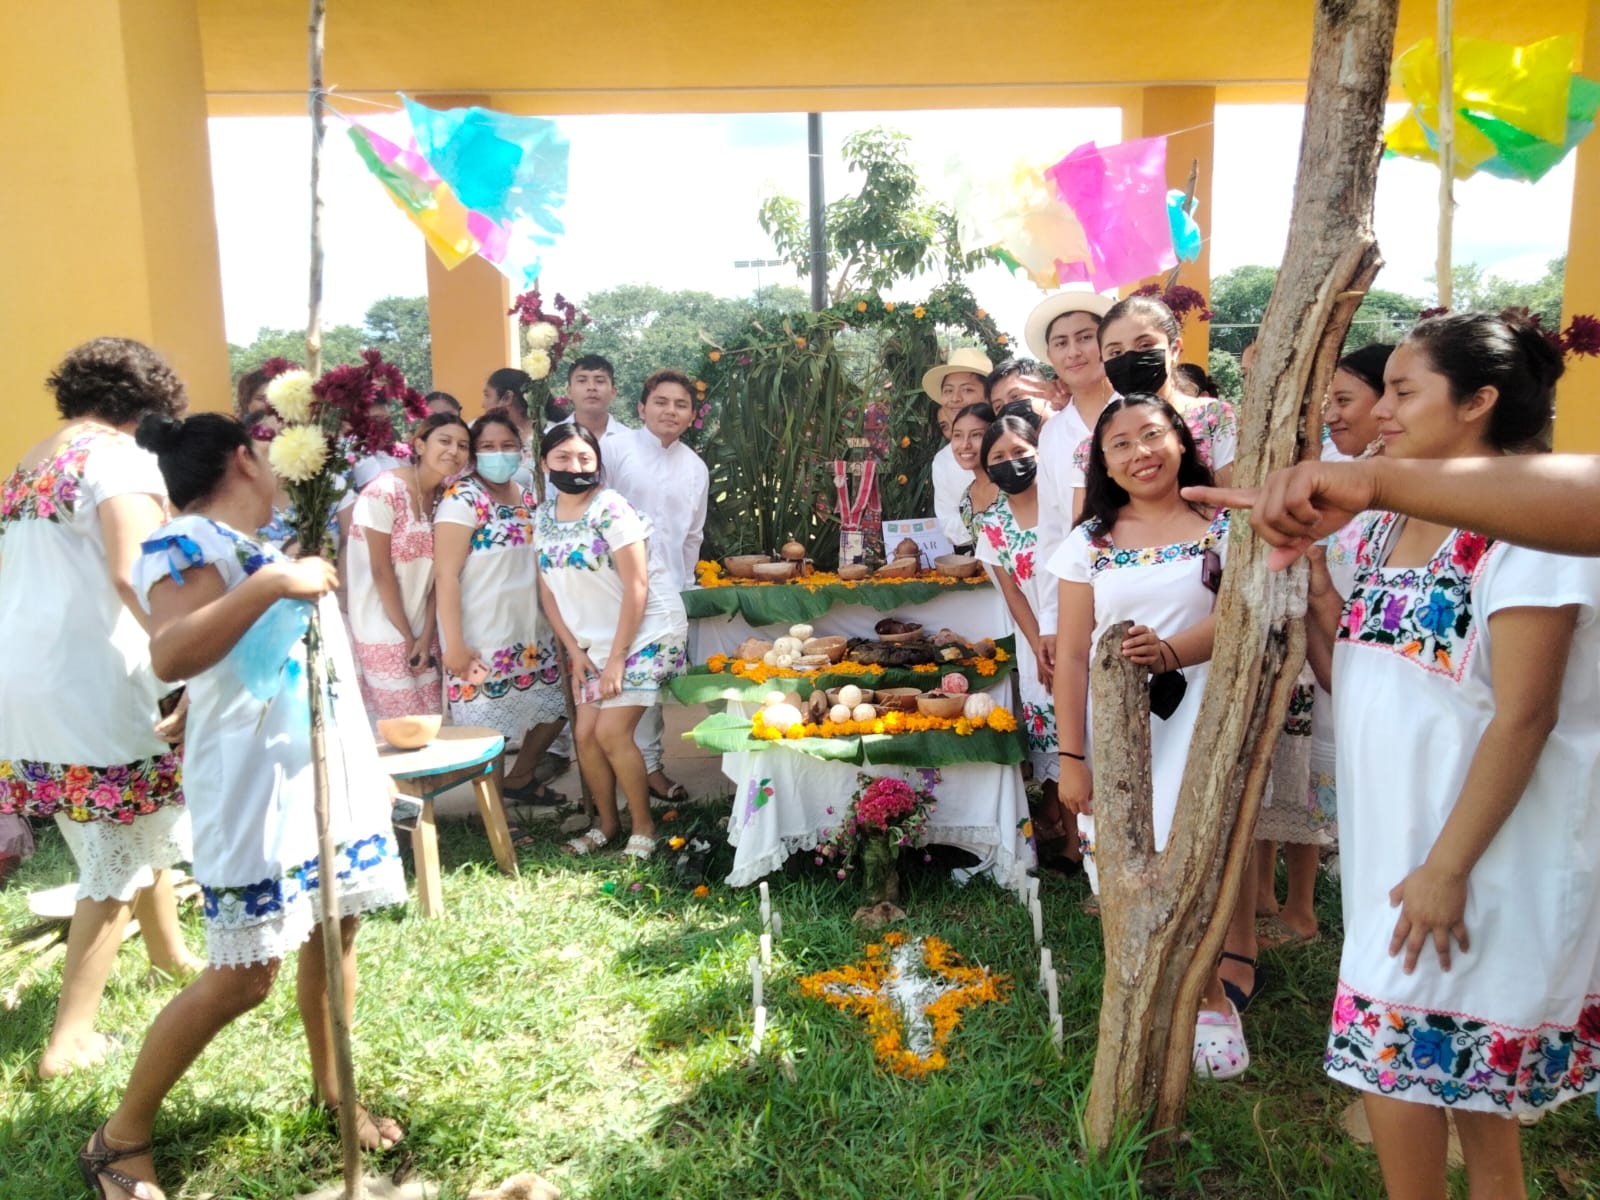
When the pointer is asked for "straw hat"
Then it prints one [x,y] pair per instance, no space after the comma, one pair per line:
[963,359]
[1068,300]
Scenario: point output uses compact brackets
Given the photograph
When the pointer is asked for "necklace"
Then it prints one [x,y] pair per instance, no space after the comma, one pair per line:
[416,476]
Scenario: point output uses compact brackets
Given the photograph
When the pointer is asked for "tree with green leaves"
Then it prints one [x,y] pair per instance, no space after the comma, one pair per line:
[888,231]
[396,326]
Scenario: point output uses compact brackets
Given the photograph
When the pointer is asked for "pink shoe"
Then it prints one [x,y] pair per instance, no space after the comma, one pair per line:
[1220,1051]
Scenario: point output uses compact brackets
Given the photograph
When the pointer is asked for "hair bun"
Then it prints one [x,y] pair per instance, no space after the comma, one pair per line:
[159,433]
[1537,345]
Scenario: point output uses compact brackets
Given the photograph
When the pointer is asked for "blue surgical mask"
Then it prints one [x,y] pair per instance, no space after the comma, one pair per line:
[499,466]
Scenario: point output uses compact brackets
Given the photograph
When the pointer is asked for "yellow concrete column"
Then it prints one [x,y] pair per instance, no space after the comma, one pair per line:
[110,228]
[468,325]
[1187,116]
[1578,397]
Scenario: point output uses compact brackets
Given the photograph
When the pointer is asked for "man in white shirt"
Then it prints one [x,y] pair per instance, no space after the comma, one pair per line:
[667,482]
[952,386]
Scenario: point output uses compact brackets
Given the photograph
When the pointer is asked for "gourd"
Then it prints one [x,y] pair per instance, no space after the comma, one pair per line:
[954,684]
[781,717]
[850,695]
[770,658]
[787,645]
[863,712]
[839,714]
[802,632]
[978,705]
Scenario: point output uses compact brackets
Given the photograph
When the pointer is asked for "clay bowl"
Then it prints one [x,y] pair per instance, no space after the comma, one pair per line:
[742,566]
[833,647]
[898,699]
[410,733]
[851,572]
[868,696]
[774,572]
[911,633]
[957,566]
[938,704]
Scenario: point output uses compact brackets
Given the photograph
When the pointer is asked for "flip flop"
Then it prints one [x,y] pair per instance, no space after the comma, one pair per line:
[1242,999]
[640,848]
[586,843]
[1272,932]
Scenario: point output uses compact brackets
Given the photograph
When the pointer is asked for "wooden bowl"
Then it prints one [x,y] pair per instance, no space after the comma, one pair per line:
[742,566]
[410,733]
[833,647]
[774,572]
[851,572]
[938,704]
[900,568]
[957,566]
[897,699]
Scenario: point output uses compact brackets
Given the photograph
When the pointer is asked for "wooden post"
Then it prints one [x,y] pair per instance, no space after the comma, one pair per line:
[1447,150]
[1164,915]
[327,850]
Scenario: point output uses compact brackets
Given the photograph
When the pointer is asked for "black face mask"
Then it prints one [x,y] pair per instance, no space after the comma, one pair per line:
[575,483]
[1166,693]
[1138,371]
[1014,475]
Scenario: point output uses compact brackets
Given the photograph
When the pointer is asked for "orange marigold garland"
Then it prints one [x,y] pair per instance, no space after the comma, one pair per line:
[999,719]
[911,1012]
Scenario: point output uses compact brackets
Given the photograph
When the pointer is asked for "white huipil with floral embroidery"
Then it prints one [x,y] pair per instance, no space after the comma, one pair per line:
[388,685]
[248,775]
[577,563]
[77,696]
[1005,545]
[1514,1025]
[1160,587]
[500,616]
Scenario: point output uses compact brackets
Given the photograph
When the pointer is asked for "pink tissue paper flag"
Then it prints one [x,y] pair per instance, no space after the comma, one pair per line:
[1119,195]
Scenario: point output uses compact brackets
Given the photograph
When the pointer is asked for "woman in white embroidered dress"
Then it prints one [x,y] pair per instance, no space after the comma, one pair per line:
[620,620]
[389,573]
[1142,554]
[71,520]
[1467,705]
[213,595]
[966,439]
[500,657]
[1007,540]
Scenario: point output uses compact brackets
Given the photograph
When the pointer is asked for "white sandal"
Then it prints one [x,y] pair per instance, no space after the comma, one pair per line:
[640,847]
[1220,1051]
[587,842]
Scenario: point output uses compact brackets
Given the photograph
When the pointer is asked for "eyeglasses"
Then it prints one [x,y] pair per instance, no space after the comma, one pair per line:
[1126,447]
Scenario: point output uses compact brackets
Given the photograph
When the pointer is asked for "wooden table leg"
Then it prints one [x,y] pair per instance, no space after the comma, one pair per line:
[487,790]
[425,846]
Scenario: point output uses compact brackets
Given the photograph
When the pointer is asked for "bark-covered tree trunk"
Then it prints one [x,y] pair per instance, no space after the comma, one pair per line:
[1165,915]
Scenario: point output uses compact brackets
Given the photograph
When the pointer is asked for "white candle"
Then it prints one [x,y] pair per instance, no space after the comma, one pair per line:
[1038,923]
[777,925]
[1056,1034]
[766,905]
[766,949]
[1051,989]
[755,982]
[759,1034]
[1045,964]
[1033,889]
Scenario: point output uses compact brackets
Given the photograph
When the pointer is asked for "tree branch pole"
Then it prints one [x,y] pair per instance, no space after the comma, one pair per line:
[819,252]
[1165,915]
[1447,150]
[327,850]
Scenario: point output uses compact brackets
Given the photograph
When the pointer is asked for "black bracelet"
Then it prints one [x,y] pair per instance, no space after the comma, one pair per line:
[1070,754]
[1177,663]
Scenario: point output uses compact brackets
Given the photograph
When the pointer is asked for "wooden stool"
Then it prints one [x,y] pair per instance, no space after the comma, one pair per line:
[460,753]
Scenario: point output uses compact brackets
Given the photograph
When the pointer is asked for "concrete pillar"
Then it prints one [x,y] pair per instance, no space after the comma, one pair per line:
[468,325]
[1187,115]
[1577,410]
[110,228]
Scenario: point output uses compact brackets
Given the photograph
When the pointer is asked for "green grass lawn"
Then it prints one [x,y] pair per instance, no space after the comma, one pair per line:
[600,1037]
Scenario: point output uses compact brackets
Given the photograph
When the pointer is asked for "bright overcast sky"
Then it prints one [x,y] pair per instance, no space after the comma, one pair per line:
[671,201]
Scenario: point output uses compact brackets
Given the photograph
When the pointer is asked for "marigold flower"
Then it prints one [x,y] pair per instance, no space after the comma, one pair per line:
[1003,340]
[676,843]
[715,356]
[861,306]
[900,479]
[888,306]
[982,314]
[801,342]
[702,891]
[919,312]
[904,442]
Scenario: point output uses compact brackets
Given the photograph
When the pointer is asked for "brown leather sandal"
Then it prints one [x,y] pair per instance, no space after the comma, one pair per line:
[96,1161]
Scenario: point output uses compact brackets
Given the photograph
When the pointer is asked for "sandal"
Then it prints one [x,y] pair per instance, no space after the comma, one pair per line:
[1240,998]
[96,1159]
[520,837]
[676,794]
[586,843]
[534,794]
[1220,1051]
[386,1132]
[1272,932]
[640,848]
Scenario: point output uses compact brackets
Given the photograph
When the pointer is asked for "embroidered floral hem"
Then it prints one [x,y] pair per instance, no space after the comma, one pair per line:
[119,793]
[264,921]
[1461,1061]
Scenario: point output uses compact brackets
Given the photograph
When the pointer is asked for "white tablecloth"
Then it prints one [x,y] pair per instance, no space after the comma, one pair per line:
[972,613]
[781,803]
